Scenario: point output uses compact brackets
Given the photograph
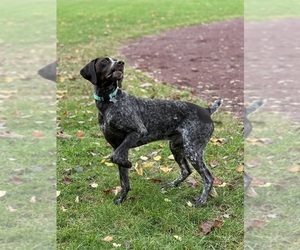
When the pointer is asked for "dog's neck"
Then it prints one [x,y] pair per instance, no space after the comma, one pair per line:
[108,96]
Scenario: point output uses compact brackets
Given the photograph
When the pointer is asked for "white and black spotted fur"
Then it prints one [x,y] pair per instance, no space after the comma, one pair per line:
[127,121]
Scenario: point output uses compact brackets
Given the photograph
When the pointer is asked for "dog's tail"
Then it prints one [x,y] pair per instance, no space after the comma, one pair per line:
[255,105]
[215,106]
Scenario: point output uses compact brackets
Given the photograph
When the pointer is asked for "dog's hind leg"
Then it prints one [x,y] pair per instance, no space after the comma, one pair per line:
[178,153]
[125,185]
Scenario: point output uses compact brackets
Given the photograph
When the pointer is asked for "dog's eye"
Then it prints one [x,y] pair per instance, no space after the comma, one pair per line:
[105,61]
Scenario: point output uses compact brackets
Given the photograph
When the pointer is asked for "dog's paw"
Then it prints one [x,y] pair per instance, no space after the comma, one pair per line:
[125,163]
[200,202]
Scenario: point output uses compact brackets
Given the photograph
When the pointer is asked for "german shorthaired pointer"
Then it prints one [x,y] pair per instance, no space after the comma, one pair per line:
[127,121]
[256,104]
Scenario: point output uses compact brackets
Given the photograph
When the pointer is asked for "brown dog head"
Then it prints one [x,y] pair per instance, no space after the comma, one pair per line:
[105,73]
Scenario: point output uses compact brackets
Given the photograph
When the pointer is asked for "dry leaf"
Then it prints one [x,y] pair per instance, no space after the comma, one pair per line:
[117,190]
[109,164]
[11,209]
[57,193]
[177,237]
[148,164]
[116,245]
[240,169]
[33,199]
[79,134]
[67,180]
[2,193]
[38,135]
[207,226]
[10,135]
[94,185]
[294,169]
[194,182]
[167,200]
[213,192]
[214,163]
[108,238]
[166,169]
[62,208]
[217,181]
[144,158]
[171,157]
[77,199]
[63,135]
[190,204]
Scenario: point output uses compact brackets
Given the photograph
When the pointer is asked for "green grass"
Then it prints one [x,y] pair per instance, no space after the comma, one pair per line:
[271,9]
[278,204]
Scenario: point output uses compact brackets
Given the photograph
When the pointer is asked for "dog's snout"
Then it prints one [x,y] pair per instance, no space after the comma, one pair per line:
[120,63]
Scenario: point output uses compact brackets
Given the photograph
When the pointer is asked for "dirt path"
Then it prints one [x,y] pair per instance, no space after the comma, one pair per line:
[207,58]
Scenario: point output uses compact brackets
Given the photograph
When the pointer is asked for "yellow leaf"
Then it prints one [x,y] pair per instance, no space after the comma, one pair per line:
[77,199]
[167,200]
[166,169]
[57,193]
[8,79]
[108,238]
[157,158]
[148,164]
[213,193]
[62,208]
[109,164]
[102,161]
[240,169]
[190,204]
[171,157]
[117,190]
[177,237]
[138,169]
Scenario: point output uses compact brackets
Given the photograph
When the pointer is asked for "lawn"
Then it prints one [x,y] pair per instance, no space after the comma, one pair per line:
[151,218]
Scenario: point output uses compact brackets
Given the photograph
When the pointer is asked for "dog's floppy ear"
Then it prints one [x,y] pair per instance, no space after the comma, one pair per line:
[89,72]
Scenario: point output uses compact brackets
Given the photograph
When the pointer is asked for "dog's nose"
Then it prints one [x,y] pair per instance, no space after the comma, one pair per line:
[120,63]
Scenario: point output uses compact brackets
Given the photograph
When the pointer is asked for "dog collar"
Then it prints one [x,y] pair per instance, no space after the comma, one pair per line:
[111,96]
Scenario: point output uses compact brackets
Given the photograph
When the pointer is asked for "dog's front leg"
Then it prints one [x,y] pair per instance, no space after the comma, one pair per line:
[125,185]
[120,155]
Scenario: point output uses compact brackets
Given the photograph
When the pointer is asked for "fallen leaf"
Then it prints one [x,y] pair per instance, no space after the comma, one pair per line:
[11,209]
[214,163]
[157,158]
[294,169]
[138,169]
[217,181]
[116,190]
[171,157]
[10,135]
[63,135]
[33,199]
[166,169]
[256,181]
[191,180]
[38,135]
[57,193]
[80,134]
[257,224]
[148,164]
[207,226]
[116,245]
[177,237]
[62,208]
[67,180]
[213,192]
[167,200]
[155,180]
[94,185]
[144,158]
[2,193]
[77,199]
[16,180]
[251,193]
[109,164]
[108,238]
[190,204]
[240,169]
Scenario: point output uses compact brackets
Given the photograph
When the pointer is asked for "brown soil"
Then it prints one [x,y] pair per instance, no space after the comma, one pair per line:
[207,58]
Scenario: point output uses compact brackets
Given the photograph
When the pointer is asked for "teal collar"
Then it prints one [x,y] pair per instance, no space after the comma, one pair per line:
[110,97]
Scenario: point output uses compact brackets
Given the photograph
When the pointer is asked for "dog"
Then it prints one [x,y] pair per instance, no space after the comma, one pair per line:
[127,122]
[254,106]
